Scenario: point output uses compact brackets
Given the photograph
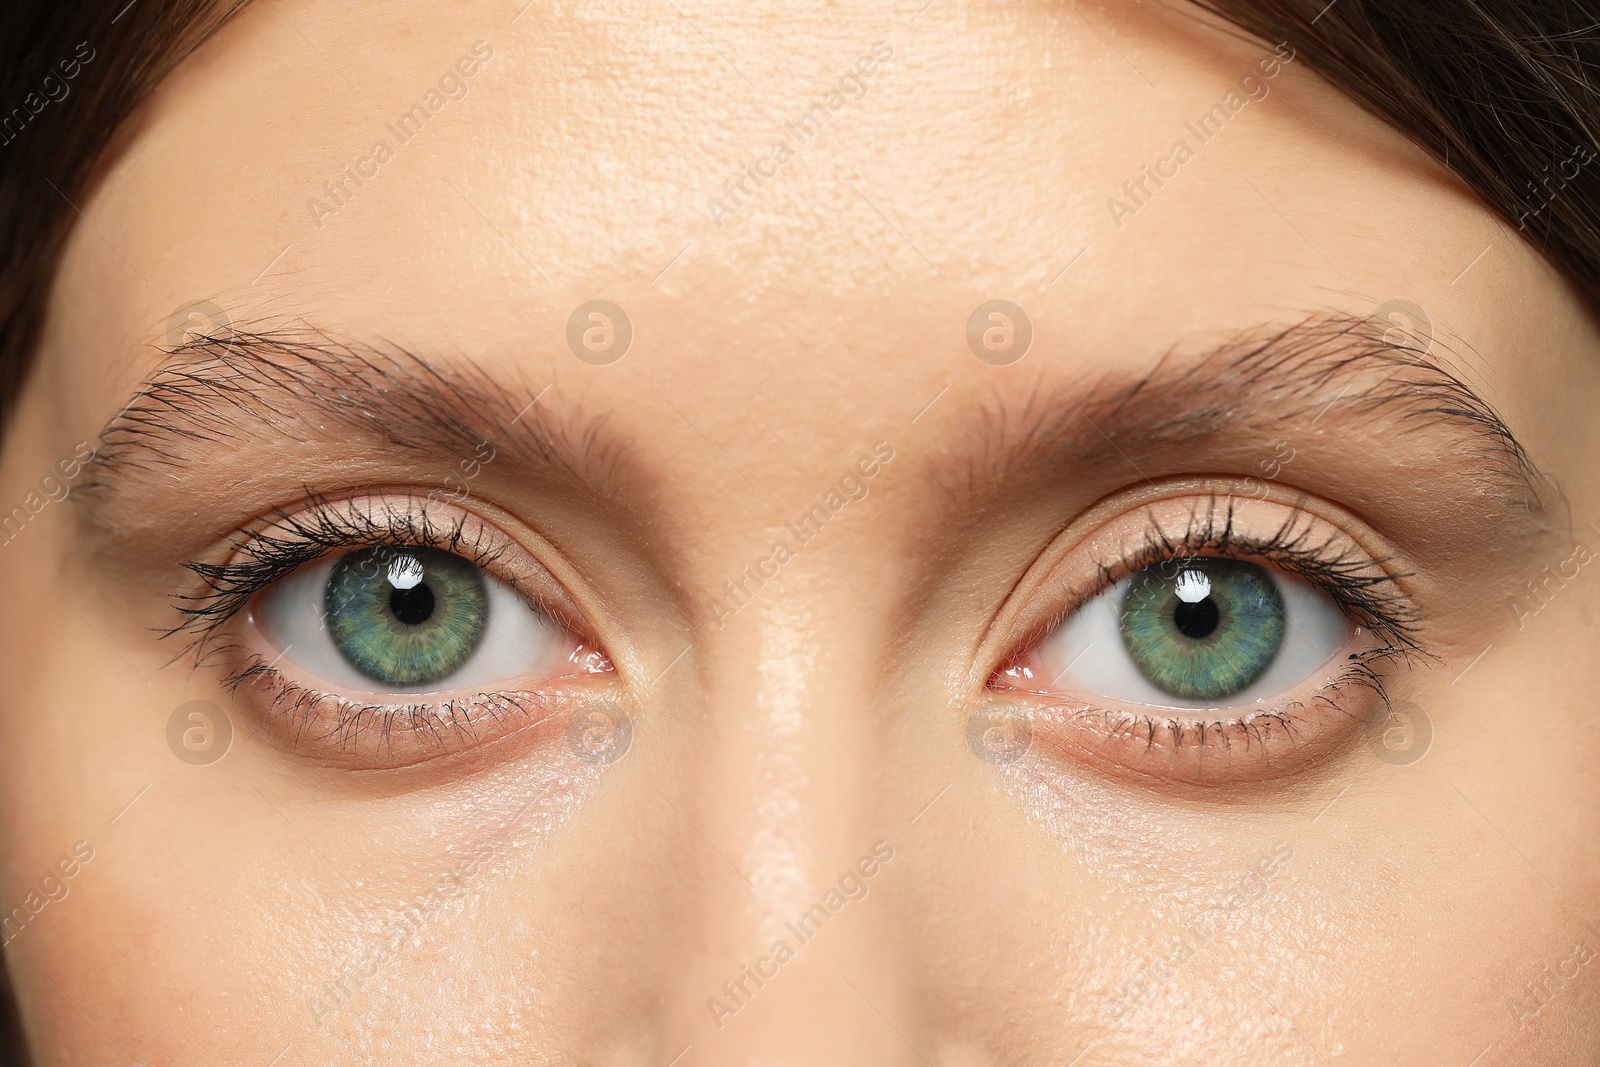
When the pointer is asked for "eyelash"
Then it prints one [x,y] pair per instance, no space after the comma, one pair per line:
[273,546]
[1360,586]
[310,534]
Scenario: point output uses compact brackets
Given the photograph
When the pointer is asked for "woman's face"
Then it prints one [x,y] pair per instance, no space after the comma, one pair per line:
[798,657]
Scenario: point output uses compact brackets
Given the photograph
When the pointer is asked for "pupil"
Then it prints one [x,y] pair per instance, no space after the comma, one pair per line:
[412,606]
[1197,620]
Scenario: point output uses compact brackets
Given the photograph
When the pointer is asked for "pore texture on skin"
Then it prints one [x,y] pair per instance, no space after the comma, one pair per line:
[962,533]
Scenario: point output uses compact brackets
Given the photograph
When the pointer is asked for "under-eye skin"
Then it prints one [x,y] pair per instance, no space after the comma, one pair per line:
[383,631]
[1220,641]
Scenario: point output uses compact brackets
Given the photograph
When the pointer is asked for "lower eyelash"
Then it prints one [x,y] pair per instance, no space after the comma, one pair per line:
[351,720]
[1360,671]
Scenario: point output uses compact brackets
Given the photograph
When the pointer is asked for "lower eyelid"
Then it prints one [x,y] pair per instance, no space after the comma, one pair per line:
[333,730]
[1193,747]
[322,721]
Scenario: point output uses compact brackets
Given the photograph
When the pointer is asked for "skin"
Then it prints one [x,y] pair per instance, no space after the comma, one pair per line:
[1027,903]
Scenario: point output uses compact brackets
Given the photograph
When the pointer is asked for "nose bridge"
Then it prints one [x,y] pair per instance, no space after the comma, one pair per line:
[790,865]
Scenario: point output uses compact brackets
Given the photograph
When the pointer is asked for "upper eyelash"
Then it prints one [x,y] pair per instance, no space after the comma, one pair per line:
[272,546]
[1359,585]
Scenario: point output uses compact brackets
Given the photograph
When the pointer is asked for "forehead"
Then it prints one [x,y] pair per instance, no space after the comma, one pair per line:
[779,194]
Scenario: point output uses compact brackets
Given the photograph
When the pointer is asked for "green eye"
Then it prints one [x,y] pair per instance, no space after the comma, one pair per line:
[1203,628]
[406,617]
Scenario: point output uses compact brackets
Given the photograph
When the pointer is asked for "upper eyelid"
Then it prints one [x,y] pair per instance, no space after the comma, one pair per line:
[232,584]
[1284,547]
[1392,614]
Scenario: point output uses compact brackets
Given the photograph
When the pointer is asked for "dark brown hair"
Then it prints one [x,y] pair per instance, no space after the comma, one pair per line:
[71,74]
[1497,90]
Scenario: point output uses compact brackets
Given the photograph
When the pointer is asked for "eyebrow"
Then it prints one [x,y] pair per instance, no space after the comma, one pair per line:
[1328,372]
[250,387]
[1333,372]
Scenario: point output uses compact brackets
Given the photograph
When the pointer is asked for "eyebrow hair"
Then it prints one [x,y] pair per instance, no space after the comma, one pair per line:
[1328,370]
[250,385]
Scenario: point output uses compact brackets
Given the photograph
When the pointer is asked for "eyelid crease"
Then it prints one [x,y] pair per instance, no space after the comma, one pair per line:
[1361,586]
[276,544]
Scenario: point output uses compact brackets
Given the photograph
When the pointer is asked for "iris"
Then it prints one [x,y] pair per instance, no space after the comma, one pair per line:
[1203,628]
[406,617]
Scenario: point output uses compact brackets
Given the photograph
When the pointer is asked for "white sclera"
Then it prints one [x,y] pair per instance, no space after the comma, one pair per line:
[1084,655]
[518,643]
